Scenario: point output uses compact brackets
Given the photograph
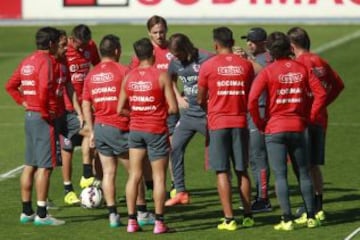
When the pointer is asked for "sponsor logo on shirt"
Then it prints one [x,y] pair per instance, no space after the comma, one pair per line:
[196,67]
[230,70]
[140,86]
[73,67]
[87,54]
[290,78]
[102,77]
[319,71]
[27,70]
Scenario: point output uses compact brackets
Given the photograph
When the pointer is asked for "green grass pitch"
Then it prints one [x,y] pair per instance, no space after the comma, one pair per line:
[199,219]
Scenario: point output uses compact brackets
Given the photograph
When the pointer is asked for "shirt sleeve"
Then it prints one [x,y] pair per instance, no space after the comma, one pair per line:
[45,87]
[95,58]
[13,86]
[203,76]
[257,88]
[336,87]
[318,93]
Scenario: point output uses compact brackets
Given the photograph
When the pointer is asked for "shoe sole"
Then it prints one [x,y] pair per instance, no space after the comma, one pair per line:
[262,210]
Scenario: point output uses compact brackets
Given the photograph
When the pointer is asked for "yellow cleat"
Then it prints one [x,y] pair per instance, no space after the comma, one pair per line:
[302,219]
[313,223]
[173,193]
[231,226]
[89,182]
[71,198]
[284,226]
[320,215]
[248,222]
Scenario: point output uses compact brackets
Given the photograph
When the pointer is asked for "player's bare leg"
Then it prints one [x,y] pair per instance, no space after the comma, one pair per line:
[224,190]
[137,157]
[159,168]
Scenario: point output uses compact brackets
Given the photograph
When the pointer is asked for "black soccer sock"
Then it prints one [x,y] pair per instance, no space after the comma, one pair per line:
[318,202]
[159,217]
[27,208]
[249,215]
[172,185]
[149,185]
[228,219]
[41,211]
[133,216]
[68,188]
[287,218]
[87,171]
[141,208]
[112,209]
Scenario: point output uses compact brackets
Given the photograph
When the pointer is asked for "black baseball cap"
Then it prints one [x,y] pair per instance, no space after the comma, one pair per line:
[255,35]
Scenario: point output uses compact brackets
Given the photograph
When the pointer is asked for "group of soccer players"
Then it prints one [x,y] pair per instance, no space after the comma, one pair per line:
[269,100]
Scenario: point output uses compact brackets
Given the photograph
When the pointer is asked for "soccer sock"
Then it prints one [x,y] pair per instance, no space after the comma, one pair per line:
[248,215]
[172,185]
[68,187]
[112,209]
[149,185]
[141,208]
[287,218]
[228,219]
[132,216]
[27,208]
[41,209]
[87,170]
[159,217]
[318,202]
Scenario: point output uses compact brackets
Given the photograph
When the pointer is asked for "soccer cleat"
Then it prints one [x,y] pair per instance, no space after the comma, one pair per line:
[231,226]
[71,198]
[26,218]
[149,195]
[313,223]
[261,205]
[172,193]
[114,220]
[299,211]
[320,215]
[89,182]
[160,227]
[145,218]
[133,226]
[248,222]
[51,205]
[47,221]
[180,198]
[284,226]
[302,219]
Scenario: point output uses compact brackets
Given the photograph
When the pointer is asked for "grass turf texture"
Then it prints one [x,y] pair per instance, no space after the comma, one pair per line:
[199,219]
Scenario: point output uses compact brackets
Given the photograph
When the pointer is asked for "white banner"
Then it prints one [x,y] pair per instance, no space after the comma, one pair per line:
[190,9]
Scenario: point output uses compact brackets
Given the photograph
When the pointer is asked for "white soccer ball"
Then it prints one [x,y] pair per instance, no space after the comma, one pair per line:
[91,197]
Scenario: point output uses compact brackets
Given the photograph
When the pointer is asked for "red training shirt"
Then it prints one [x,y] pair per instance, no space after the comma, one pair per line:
[102,88]
[79,62]
[227,77]
[330,80]
[148,106]
[287,84]
[33,82]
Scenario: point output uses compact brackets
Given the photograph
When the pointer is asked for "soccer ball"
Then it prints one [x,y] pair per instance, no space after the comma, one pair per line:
[91,197]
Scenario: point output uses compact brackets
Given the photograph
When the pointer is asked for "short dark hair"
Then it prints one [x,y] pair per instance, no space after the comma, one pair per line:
[223,36]
[109,44]
[179,42]
[81,32]
[143,49]
[299,37]
[278,45]
[62,33]
[152,21]
[46,35]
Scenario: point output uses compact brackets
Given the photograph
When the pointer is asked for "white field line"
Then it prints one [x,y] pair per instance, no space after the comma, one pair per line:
[323,48]
[337,42]
[351,235]
[23,54]
[12,173]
